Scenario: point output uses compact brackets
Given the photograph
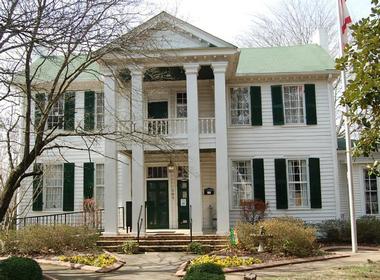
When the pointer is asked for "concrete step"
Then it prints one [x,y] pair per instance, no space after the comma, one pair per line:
[164,242]
[164,237]
[162,248]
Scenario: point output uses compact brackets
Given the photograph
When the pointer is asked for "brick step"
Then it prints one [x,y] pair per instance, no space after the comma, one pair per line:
[163,242]
[164,237]
[162,248]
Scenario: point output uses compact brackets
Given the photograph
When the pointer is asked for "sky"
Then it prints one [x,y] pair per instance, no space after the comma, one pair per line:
[229,19]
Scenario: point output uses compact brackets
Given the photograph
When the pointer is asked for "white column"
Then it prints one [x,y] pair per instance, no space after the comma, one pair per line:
[138,185]
[222,199]
[195,190]
[110,157]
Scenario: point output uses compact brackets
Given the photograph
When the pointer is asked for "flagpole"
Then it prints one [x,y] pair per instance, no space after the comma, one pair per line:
[354,241]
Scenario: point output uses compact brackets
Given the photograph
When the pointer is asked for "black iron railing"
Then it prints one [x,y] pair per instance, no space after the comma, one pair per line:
[93,219]
[139,224]
[190,224]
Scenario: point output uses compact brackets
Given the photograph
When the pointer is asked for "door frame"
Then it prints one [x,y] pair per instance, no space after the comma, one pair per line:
[168,200]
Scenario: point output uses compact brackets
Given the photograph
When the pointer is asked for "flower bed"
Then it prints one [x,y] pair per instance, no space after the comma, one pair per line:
[225,262]
[102,260]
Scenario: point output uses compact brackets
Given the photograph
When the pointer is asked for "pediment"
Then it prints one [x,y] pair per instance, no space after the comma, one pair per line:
[165,31]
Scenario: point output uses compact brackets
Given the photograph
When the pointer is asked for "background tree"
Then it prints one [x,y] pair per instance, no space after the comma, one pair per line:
[362,96]
[290,22]
[72,35]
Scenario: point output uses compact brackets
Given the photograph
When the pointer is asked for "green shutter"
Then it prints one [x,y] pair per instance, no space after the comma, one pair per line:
[256,111]
[281,183]
[69,111]
[68,186]
[38,105]
[89,110]
[315,183]
[311,107]
[37,188]
[258,178]
[277,105]
[88,180]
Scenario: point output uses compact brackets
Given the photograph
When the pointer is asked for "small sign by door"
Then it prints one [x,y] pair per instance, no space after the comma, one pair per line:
[183,202]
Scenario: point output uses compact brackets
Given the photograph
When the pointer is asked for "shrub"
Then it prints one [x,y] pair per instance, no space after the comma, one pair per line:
[206,271]
[196,248]
[17,268]
[224,261]
[253,210]
[244,232]
[338,231]
[49,240]
[130,247]
[102,260]
[290,236]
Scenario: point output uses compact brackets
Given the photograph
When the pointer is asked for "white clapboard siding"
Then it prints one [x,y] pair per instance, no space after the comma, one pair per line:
[270,142]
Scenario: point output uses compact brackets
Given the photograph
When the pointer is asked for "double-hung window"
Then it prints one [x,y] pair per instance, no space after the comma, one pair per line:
[294,104]
[298,183]
[56,115]
[181,101]
[53,187]
[99,185]
[371,193]
[242,185]
[99,110]
[240,106]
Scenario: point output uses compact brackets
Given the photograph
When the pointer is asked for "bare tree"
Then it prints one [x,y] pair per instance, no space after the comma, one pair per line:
[291,22]
[71,35]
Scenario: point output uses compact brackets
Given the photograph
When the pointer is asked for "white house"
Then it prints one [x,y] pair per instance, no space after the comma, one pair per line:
[223,124]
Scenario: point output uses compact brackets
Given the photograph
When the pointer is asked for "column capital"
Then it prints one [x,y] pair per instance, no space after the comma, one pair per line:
[219,66]
[136,70]
[191,68]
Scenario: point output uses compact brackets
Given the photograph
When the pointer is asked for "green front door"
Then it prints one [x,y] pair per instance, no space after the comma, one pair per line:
[157,204]
[183,204]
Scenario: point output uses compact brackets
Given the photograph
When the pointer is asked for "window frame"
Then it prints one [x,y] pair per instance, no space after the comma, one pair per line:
[232,160]
[56,127]
[294,207]
[45,187]
[176,104]
[96,185]
[365,170]
[231,89]
[284,109]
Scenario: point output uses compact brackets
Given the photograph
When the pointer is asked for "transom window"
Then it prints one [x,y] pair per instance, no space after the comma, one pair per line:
[99,110]
[240,106]
[242,187]
[183,172]
[99,185]
[181,105]
[157,172]
[56,115]
[294,104]
[53,187]
[298,183]
[371,194]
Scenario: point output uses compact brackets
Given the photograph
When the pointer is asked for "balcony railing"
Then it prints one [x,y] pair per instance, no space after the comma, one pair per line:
[177,126]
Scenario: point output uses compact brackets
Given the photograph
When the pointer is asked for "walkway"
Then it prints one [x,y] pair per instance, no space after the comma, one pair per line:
[162,266]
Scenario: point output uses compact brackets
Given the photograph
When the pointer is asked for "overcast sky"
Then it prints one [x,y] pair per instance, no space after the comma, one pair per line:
[228,19]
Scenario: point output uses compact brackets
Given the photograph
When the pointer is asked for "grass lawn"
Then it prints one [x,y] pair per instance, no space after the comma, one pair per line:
[365,271]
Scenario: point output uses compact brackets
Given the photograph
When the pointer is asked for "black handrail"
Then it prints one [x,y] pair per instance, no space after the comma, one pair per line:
[139,224]
[74,218]
[191,225]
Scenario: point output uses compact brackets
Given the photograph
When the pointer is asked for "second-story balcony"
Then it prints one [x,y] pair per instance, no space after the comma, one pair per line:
[177,127]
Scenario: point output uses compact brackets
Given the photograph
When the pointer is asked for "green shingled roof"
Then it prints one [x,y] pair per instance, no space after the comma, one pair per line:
[295,59]
[46,69]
